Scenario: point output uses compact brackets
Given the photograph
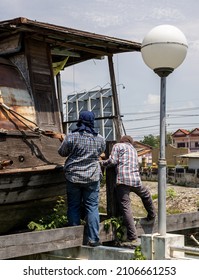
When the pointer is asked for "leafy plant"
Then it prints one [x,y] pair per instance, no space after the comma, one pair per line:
[171,193]
[36,226]
[118,227]
[138,254]
[55,219]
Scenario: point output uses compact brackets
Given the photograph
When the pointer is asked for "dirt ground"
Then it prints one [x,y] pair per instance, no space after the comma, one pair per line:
[178,199]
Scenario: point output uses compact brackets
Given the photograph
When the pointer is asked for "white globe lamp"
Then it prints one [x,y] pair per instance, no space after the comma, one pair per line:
[164,48]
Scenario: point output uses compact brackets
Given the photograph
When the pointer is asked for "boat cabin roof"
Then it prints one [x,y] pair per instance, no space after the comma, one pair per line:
[76,45]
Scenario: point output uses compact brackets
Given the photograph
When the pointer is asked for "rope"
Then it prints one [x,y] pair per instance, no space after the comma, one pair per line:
[5,109]
[37,130]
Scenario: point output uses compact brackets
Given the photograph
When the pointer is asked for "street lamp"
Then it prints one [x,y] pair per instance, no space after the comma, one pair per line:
[163,49]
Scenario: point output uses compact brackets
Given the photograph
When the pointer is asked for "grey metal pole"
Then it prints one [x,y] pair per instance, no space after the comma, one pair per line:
[162,162]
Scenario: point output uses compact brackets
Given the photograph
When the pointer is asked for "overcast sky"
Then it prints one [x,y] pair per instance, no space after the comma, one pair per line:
[131,20]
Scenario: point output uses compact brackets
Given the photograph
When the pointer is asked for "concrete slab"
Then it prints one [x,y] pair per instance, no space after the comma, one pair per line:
[89,253]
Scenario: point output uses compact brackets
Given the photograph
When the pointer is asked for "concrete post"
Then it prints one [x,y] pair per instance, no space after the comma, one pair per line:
[157,247]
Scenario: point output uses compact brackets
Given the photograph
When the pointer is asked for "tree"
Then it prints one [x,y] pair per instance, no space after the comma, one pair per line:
[154,141]
[169,138]
[151,140]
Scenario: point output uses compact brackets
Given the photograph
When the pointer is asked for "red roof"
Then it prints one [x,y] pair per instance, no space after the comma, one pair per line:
[195,131]
[183,131]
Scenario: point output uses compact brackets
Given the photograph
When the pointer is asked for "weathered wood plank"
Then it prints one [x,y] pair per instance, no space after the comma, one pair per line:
[112,204]
[106,236]
[174,223]
[183,221]
[42,84]
[28,243]
[31,152]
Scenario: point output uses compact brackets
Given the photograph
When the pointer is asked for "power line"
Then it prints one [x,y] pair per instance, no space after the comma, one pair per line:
[143,119]
[171,110]
[170,116]
[185,124]
[137,128]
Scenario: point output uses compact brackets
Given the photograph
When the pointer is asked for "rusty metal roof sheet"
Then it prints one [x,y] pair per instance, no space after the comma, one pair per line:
[67,42]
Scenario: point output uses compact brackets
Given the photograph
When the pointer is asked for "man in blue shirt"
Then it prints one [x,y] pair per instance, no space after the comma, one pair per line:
[82,170]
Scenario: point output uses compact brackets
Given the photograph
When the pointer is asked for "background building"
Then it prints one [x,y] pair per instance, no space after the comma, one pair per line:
[183,138]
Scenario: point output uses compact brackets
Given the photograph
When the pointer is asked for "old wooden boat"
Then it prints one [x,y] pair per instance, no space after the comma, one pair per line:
[31,123]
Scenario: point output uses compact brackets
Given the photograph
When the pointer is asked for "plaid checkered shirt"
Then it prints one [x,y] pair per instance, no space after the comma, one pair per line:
[124,157]
[82,151]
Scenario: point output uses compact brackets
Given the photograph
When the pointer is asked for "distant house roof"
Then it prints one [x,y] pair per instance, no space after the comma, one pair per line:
[141,148]
[75,45]
[180,132]
[190,155]
[194,132]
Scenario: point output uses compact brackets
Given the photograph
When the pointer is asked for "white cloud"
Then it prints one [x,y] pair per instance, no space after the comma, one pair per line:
[104,20]
[166,14]
[152,99]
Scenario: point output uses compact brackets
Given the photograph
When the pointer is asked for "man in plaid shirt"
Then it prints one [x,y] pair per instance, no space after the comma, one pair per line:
[124,157]
[82,170]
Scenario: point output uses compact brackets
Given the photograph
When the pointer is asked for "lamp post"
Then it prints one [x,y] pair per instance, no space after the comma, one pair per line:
[163,49]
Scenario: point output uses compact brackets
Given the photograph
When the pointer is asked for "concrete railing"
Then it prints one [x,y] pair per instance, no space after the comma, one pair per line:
[192,252]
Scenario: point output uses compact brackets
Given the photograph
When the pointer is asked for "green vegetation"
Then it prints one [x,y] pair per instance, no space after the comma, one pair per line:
[151,140]
[57,218]
[173,211]
[118,227]
[154,196]
[138,254]
[154,141]
[171,193]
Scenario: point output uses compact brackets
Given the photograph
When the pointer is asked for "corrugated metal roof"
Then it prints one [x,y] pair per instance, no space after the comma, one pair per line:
[76,44]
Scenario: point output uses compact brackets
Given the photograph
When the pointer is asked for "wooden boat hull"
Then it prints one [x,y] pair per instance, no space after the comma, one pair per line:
[27,195]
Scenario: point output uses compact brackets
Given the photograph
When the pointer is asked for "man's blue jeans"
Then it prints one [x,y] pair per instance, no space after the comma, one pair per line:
[88,196]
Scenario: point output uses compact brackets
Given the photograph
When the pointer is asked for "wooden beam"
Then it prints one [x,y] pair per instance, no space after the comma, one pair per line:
[177,222]
[22,244]
[112,204]
[35,242]
[117,120]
